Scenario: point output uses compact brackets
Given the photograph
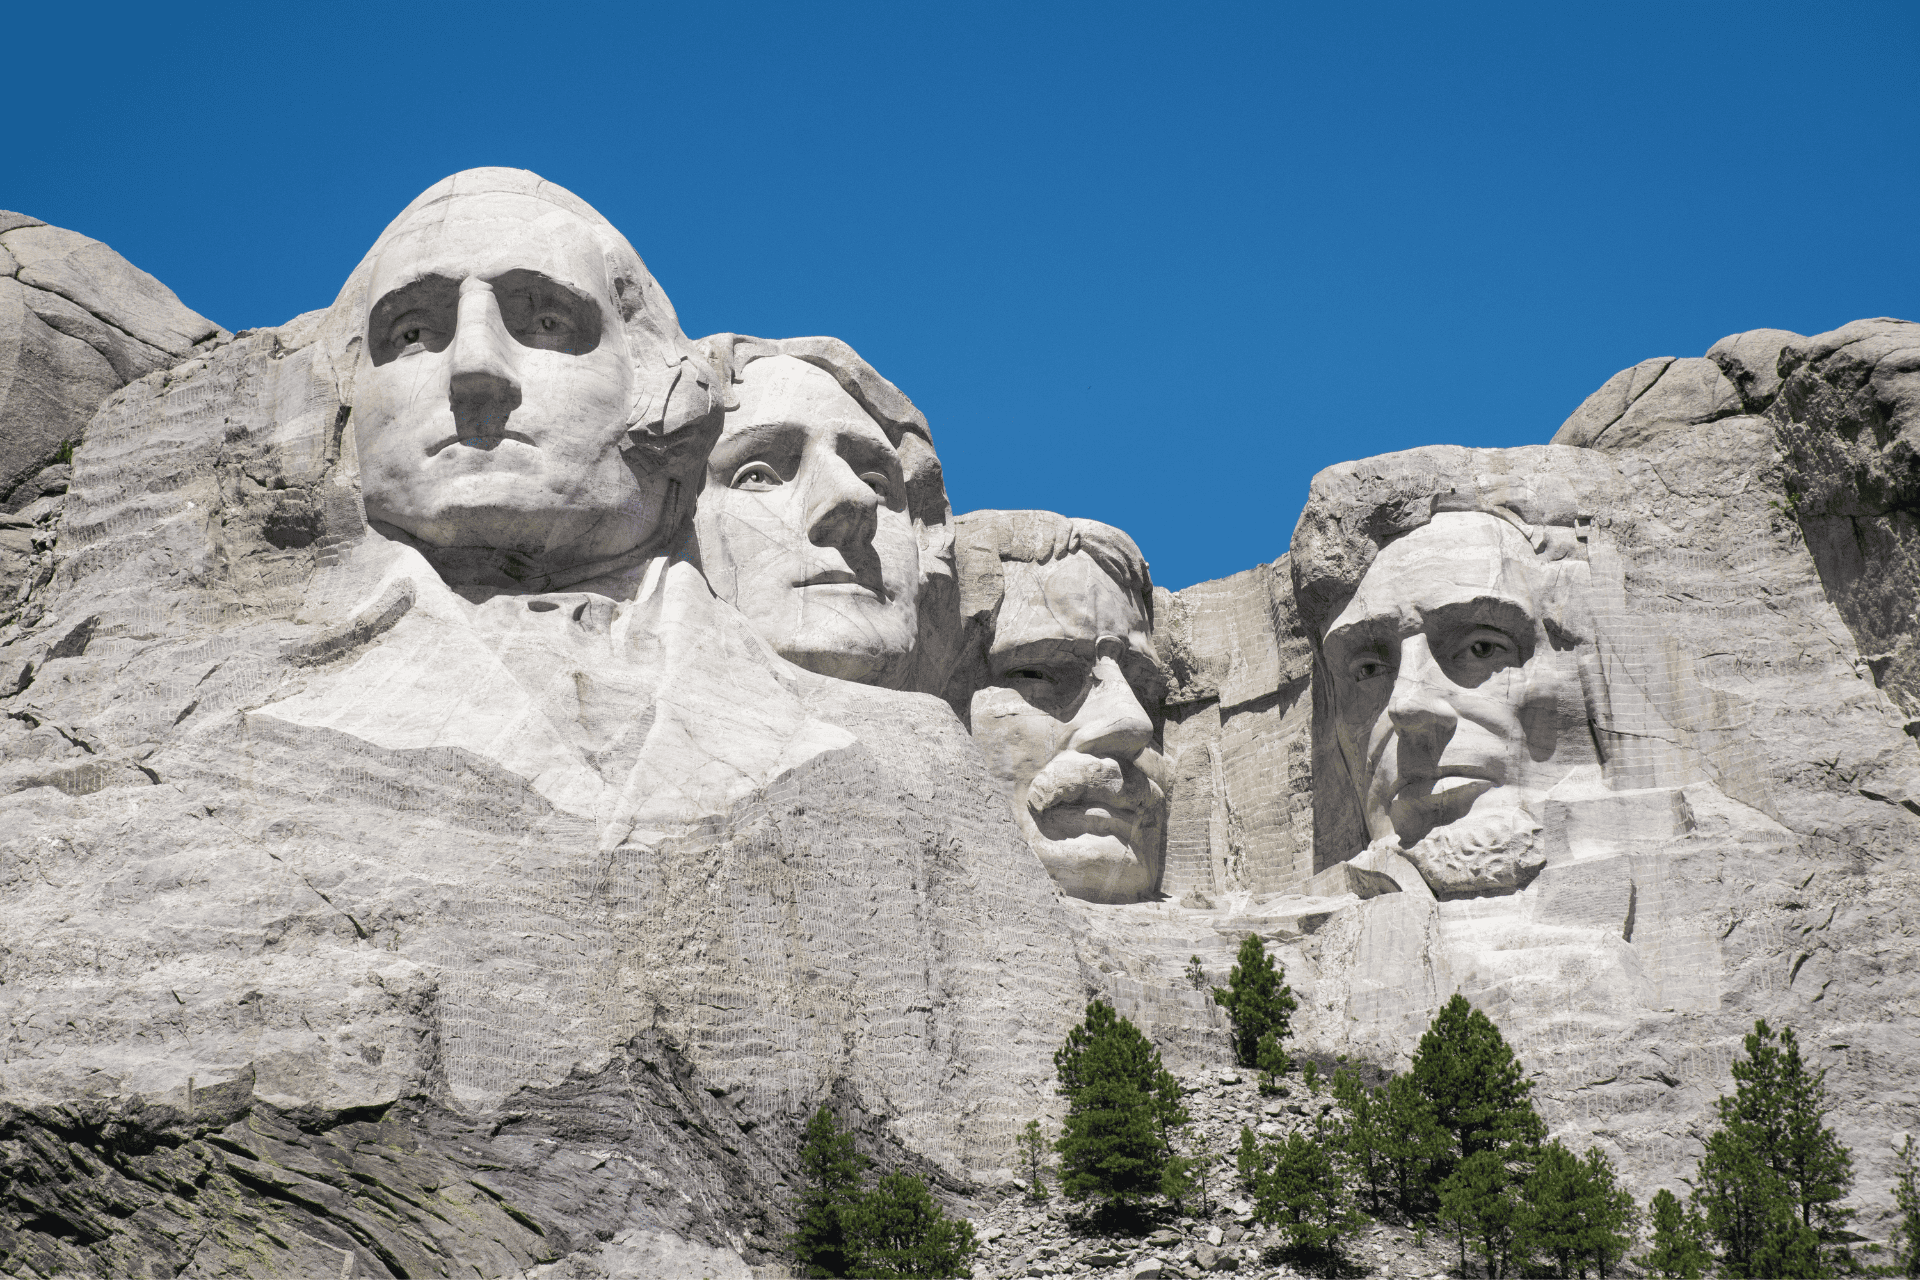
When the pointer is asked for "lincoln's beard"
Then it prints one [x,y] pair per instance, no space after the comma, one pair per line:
[1496,847]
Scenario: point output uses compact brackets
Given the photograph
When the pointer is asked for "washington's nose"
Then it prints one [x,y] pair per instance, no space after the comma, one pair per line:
[1111,721]
[1419,706]
[484,385]
[843,506]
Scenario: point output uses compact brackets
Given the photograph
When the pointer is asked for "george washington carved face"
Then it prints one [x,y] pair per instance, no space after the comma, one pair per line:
[496,385]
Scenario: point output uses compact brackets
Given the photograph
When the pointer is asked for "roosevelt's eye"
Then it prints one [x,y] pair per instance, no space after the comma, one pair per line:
[756,477]
[1486,646]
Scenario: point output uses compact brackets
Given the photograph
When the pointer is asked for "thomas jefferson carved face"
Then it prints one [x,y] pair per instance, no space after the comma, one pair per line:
[1456,699]
[1066,723]
[496,386]
[803,525]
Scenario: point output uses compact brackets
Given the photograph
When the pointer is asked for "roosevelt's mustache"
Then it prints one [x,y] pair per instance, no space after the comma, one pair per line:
[1073,778]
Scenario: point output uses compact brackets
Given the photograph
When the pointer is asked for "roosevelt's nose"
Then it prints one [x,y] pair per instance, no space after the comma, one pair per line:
[842,508]
[1111,722]
[1419,705]
[484,382]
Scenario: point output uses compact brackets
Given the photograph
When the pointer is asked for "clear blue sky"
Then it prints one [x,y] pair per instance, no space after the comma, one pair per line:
[1153,265]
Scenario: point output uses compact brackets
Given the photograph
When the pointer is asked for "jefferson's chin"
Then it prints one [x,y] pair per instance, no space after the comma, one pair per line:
[1096,868]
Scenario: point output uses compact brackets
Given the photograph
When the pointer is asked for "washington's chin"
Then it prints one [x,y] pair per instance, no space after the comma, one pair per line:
[1096,868]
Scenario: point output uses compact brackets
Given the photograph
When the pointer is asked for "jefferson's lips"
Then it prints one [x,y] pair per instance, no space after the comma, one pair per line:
[480,440]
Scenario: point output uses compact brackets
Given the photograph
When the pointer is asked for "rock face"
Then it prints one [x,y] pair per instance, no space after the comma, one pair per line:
[473,781]
[77,322]
[396,875]
[1745,608]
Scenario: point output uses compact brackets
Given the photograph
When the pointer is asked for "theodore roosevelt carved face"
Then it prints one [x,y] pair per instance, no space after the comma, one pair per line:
[496,385]
[804,524]
[1458,697]
[1066,695]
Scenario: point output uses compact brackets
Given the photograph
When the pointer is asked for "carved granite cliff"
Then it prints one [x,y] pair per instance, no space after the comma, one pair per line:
[480,766]
[387,758]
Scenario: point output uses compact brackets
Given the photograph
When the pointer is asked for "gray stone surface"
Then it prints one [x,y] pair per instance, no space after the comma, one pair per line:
[77,322]
[469,888]
[568,886]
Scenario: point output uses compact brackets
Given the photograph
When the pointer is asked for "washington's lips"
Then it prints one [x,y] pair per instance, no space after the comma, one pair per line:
[480,440]
[1093,817]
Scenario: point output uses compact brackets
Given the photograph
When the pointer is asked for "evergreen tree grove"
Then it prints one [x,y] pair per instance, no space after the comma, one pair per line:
[1412,1143]
[1122,1109]
[1361,1138]
[832,1169]
[1679,1249]
[1476,1087]
[1574,1212]
[897,1232]
[1257,1002]
[1773,1173]
[1296,1184]
[1906,1201]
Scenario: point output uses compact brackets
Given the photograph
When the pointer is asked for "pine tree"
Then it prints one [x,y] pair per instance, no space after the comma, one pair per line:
[832,1169]
[1477,1089]
[1574,1212]
[897,1232]
[1256,1001]
[1480,1202]
[1679,1240]
[1773,1173]
[1272,1062]
[1122,1109]
[1361,1136]
[1033,1147]
[1906,1199]
[1411,1141]
[1296,1184]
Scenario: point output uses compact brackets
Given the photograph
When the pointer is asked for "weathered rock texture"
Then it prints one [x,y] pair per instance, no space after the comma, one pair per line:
[77,322]
[1745,520]
[328,935]
[361,919]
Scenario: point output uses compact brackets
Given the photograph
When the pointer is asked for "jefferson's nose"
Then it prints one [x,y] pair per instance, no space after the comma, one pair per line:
[1419,705]
[484,385]
[843,506]
[1111,722]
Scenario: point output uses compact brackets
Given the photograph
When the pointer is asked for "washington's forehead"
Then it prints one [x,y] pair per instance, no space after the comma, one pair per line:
[785,389]
[489,235]
[1070,599]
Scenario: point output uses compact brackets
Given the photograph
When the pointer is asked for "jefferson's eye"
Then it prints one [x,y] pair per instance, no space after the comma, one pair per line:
[756,477]
[1368,668]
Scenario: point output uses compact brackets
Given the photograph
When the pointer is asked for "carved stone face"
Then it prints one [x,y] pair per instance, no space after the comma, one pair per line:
[1451,694]
[803,525]
[1066,724]
[495,387]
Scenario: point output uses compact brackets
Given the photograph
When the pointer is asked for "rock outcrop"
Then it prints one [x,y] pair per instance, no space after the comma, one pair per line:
[77,322]
[387,897]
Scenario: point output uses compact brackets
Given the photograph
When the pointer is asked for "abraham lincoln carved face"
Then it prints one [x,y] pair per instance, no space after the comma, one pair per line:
[1457,694]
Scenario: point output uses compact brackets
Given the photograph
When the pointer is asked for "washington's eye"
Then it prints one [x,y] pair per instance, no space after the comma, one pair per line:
[410,337]
[878,483]
[756,477]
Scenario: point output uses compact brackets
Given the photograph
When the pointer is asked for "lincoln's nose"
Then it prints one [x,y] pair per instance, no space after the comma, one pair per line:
[484,382]
[1419,706]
